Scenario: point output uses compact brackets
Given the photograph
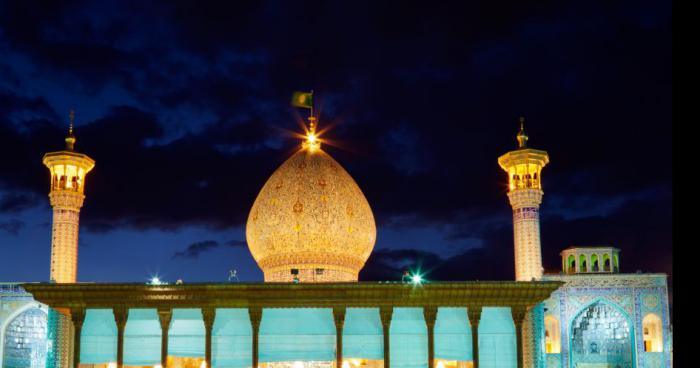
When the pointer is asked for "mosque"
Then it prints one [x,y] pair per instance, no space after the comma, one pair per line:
[311,230]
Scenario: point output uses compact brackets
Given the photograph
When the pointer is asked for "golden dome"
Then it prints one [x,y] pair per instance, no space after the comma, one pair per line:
[310,222]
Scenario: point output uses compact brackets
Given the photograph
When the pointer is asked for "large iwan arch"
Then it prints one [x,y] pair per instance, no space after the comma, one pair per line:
[602,332]
[23,338]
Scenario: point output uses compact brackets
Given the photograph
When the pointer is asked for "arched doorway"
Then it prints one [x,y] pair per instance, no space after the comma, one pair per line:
[601,334]
[25,340]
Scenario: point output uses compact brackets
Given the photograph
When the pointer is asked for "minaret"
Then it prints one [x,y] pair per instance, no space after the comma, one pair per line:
[68,171]
[524,167]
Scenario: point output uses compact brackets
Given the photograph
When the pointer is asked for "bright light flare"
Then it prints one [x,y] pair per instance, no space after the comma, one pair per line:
[155,280]
[312,142]
[416,279]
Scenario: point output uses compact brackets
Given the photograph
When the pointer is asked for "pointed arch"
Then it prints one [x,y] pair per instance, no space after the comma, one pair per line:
[607,266]
[571,264]
[595,267]
[27,327]
[628,320]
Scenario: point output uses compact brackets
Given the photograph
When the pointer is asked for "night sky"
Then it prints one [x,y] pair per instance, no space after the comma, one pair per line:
[185,108]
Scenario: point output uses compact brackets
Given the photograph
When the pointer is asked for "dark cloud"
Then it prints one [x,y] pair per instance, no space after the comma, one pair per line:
[18,201]
[12,226]
[643,248]
[195,249]
[188,109]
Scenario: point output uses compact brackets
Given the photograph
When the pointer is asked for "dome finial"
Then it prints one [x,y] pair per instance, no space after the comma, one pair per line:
[70,139]
[312,142]
[522,137]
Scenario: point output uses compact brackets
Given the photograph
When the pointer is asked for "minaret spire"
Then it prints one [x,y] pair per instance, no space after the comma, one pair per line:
[70,139]
[522,137]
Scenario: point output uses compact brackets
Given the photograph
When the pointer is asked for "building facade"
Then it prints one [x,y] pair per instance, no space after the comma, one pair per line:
[311,230]
[603,318]
[359,324]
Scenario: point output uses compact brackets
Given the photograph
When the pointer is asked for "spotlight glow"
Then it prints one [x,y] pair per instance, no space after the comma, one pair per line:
[155,280]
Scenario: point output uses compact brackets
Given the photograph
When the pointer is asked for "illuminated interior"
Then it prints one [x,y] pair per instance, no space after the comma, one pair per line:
[525,176]
[552,335]
[653,339]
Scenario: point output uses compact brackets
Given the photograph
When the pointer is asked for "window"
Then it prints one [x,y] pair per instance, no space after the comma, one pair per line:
[552,335]
[582,263]
[653,339]
[571,264]
[606,262]
[594,263]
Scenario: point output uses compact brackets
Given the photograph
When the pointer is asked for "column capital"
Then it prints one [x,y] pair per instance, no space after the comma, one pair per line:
[164,316]
[430,315]
[208,315]
[339,316]
[121,314]
[255,314]
[385,314]
[77,315]
[518,313]
[474,314]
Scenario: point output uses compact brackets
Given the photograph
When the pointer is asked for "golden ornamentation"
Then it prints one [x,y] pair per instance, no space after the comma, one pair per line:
[524,167]
[319,219]
[68,171]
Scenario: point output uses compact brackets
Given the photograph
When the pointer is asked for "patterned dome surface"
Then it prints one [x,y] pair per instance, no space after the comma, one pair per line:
[311,215]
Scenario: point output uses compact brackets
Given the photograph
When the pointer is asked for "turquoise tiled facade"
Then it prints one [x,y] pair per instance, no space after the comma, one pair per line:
[631,296]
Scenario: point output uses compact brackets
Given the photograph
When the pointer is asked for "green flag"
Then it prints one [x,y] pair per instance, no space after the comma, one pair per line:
[302,99]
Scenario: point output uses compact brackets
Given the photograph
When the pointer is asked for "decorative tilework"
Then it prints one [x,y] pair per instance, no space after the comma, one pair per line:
[635,294]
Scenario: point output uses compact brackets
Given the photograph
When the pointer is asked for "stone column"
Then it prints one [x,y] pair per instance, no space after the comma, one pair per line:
[474,315]
[208,315]
[255,319]
[164,315]
[430,315]
[120,316]
[518,317]
[385,314]
[339,319]
[77,315]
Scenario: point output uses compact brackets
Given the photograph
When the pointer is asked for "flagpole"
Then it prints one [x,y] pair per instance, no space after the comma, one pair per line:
[312,103]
